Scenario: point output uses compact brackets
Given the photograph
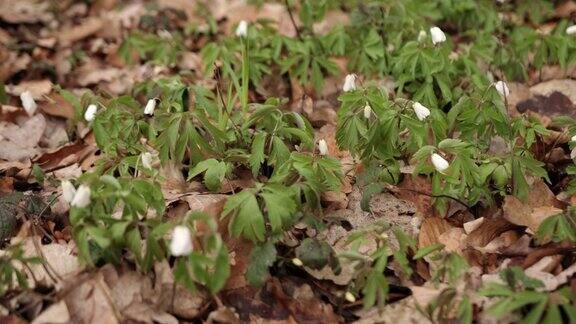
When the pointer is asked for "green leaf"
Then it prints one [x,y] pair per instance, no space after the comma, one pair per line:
[257,155]
[427,250]
[247,218]
[262,257]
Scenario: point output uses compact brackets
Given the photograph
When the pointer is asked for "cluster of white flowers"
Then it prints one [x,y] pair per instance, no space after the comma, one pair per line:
[76,197]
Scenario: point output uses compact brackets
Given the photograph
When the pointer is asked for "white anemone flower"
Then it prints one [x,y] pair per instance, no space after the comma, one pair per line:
[148,159]
[367,111]
[68,191]
[242,29]
[502,88]
[82,197]
[439,163]
[150,106]
[181,243]
[90,113]
[571,30]
[28,102]
[438,35]
[323,147]
[421,111]
[349,83]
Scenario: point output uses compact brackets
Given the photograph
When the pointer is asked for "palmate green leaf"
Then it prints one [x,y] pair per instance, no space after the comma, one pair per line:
[247,218]
[376,287]
[281,205]
[214,173]
[257,155]
[428,250]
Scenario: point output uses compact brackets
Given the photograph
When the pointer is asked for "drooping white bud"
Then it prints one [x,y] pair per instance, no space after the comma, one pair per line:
[367,111]
[82,197]
[148,160]
[150,106]
[297,262]
[349,297]
[90,112]
[422,36]
[439,163]
[502,88]
[68,191]
[181,243]
[242,29]
[349,83]
[421,111]
[28,102]
[323,147]
[438,35]
[571,30]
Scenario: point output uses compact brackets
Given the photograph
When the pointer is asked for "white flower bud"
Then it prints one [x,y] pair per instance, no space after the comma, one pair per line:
[68,191]
[90,112]
[82,197]
[571,30]
[573,153]
[150,106]
[148,159]
[323,147]
[422,36]
[181,243]
[421,111]
[349,83]
[439,163]
[502,88]
[28,102]
[297,262]
[349,297]
[367,111]
[438,35]
[242,29]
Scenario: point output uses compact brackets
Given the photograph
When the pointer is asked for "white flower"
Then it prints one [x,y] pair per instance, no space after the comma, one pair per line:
[573,153]
[502,88]
[82,197]
[367,111]
[439,163]
[437,35]
[422,36]
[181,243]
[571,30]
[349,83]
[297,262]
[150,106]
[68,191]
[323,147]
[148,159]
[28,102]
[573,139]
[421,111]
[242,29]
[349,297]
[90,112]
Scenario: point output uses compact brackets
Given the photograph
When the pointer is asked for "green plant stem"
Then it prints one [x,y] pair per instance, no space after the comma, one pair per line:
[245,77]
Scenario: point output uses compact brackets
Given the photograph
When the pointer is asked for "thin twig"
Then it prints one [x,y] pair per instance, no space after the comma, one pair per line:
[293,20]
